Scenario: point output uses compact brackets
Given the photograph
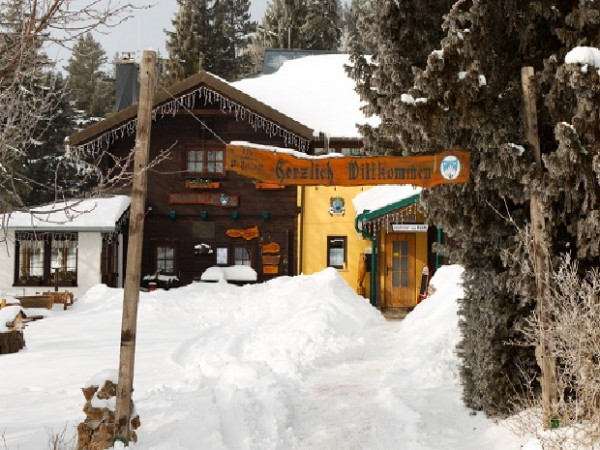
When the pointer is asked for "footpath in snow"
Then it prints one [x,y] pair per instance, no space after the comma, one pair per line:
[403,393]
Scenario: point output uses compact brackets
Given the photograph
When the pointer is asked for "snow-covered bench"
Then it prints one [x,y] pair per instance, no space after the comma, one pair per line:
[230,274]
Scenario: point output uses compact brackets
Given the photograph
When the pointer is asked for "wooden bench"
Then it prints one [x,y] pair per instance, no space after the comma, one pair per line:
[36,301]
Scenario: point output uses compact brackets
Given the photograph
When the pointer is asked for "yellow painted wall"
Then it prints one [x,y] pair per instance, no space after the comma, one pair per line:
[316,223]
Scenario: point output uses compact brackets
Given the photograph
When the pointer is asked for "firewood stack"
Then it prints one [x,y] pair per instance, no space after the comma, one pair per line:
[96,432]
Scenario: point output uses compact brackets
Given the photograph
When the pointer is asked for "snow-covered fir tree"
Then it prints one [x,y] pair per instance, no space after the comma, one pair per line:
[462,89]
[350,38]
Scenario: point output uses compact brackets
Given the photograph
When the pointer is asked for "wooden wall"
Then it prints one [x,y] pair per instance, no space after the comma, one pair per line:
[184,226]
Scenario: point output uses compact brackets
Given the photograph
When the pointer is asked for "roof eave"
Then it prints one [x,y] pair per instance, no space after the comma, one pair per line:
[375,214]
[166,94]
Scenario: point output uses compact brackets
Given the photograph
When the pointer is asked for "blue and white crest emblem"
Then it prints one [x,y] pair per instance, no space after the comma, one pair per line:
[450,167]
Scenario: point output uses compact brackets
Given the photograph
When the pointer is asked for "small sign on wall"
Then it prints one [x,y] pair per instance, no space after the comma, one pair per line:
[194,198]
[409,227]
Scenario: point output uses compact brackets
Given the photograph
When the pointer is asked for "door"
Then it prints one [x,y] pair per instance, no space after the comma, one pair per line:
[110,261]
[400,270]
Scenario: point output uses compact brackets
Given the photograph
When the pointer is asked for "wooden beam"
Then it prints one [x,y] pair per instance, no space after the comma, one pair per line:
[134,249]
[541,254]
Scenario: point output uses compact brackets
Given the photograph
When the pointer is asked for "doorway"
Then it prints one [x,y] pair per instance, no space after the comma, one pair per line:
[400,270]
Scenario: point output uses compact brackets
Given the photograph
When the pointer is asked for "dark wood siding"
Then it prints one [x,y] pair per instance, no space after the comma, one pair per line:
[185,226]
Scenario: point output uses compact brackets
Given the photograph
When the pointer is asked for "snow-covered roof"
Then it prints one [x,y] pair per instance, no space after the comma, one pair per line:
[95,214]
[315,91]
[381,196]
[200,88]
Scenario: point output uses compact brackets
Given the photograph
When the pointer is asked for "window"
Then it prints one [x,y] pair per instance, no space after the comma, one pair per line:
[352,152]
[336,251]
[214,161]
[42,257]
[165,259]
[242,256]
[195,161]
[205,161]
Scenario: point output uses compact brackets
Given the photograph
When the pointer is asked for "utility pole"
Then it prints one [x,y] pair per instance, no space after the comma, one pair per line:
[134,249]
[541,255]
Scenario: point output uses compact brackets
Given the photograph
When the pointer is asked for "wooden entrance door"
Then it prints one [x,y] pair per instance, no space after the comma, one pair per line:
[400,271]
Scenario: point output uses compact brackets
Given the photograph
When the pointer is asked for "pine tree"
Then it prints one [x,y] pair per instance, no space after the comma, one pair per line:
[232,31]
[27,89]
[571,108]
[282,25]
[90,89]
[322,27]
[50,176]
[211,36]
[186,45]
[350,37]
[243,30]
[462,89]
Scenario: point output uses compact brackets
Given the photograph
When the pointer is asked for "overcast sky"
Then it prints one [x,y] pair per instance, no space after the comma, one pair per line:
[146,29]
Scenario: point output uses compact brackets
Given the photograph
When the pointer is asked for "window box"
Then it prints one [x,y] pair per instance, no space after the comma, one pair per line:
[202,184]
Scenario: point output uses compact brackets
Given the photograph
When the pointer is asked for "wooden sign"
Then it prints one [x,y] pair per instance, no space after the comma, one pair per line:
[201,198]
[294,168]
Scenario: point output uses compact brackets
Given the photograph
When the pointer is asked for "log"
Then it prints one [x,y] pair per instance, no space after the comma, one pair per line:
[11,342]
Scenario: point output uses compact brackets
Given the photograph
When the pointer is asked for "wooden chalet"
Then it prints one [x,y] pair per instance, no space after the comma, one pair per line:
[199,215]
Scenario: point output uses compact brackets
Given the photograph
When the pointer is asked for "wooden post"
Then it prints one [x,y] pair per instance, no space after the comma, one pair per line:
[540,252]
[134,249]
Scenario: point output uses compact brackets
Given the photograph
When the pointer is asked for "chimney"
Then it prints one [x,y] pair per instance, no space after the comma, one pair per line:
[127,82]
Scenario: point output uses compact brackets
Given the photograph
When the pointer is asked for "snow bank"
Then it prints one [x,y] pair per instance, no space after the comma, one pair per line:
[215,363]
[584,55]
[7,315]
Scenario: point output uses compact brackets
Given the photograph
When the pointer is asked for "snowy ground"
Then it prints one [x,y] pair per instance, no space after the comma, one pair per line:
[296,363]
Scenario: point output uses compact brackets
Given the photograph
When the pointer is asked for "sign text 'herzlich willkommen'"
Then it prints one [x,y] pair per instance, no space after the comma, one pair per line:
[285,168]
